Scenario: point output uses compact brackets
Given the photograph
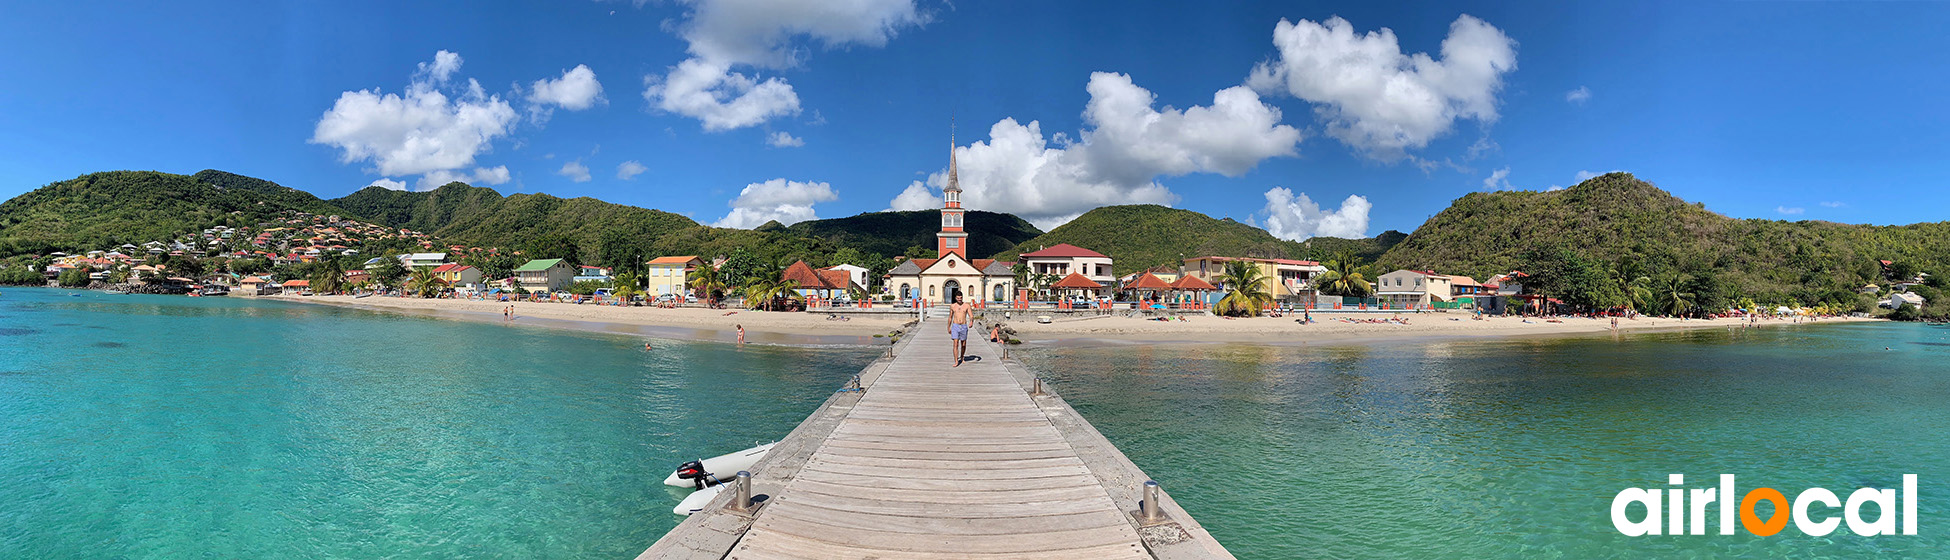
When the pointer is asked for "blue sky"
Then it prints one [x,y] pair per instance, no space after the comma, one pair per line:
[738,111]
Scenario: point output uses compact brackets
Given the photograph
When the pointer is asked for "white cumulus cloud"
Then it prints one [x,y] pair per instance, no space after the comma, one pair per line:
[576,90]
[915,197]
[1498,180]
[629,170]
[784,140]
[1790,211]
[762,34]
[388,184]
[481,176]
[443,66]
[1295,217]
[1578,96]
[1379,100]
[789,202]
[420,131]
[575,171]
[1127,145]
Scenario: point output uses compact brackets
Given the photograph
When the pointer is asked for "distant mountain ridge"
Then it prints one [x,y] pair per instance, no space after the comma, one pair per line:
[1143,236]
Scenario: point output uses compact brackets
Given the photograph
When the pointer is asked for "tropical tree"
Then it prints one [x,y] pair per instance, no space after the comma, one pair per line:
[1345,276]
[328,277]
[388,272]
[707,283]
[1638,293]
[1671,295]
[424,282]
[1248,290]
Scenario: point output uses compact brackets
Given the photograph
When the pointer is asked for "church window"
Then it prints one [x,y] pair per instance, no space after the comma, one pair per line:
[953,242]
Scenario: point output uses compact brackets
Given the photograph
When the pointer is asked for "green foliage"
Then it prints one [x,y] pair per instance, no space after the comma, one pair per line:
[1346,276]
[327,277]
[1248,290]
[21,276]
[73,278]
[587,287]
[1629,228]
[111,208]
[1906,312]
[743,268]
[423,282]
[388,272]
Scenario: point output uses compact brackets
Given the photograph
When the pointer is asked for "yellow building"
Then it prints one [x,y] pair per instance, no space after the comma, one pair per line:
[668,275]
[1286,279]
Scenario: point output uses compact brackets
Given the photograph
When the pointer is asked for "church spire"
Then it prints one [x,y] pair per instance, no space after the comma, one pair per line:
[954,182]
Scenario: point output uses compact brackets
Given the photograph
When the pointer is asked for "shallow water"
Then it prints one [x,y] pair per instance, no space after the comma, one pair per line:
[1515,448]
[222,428]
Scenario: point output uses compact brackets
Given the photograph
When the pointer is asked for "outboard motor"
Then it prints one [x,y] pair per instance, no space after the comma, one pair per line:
[694,472]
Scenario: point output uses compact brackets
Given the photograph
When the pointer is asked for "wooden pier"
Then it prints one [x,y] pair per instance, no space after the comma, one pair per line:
[926,461]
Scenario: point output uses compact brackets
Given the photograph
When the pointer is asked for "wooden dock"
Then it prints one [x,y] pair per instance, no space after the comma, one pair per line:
[926,461]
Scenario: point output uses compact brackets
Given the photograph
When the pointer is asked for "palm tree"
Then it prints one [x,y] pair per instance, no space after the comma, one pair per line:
[425,282]
[1248,285]
[1638,293]
[1345,276]
[328,277]
[1671,294]
[707,283]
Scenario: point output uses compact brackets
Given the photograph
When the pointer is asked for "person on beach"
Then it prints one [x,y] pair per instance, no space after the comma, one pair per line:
[959,317]
[741,334]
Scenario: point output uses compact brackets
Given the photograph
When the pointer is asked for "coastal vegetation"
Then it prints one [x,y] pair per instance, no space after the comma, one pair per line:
[1142,236]
[1247,290]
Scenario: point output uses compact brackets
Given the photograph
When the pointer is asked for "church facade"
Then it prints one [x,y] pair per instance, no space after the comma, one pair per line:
[939,280]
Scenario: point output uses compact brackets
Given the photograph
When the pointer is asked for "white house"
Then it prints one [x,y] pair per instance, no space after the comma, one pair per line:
[1063,258]
[416,260]
[1414,287]
[856,273]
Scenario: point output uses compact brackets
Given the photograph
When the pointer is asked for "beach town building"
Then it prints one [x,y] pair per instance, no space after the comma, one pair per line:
[1414,287]
[668,275]
[593,274]
[459,276]
[940,279]
[854,273]
[355,276]
[1063,259]
[818,282]
[544,275]
[1286,279]
[416,260]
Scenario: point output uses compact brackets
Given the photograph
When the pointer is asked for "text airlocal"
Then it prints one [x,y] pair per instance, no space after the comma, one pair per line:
[1682,511]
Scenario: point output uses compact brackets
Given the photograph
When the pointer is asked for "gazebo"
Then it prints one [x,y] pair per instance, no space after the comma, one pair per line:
[1077,282]
[1148,282]
[1189,283]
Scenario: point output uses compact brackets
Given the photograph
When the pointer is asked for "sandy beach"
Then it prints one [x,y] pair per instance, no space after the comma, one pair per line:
[782,327]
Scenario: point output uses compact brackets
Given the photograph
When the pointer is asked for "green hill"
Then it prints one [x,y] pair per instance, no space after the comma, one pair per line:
[1148,235]
[891,233]
[1633,228]
[267,191]
[600,232]
[101,210]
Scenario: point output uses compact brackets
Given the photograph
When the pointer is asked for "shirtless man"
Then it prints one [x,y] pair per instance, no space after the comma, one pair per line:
[959,318]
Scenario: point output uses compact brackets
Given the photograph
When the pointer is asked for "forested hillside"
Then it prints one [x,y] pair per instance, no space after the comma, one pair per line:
[1147,235]
[106,209]
[892,233]
[1630,229]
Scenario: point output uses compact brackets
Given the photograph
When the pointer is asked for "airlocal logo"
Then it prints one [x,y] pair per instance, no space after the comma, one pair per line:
[1676,514]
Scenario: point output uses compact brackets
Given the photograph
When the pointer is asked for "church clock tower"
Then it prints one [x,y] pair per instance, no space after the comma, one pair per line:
[952,238]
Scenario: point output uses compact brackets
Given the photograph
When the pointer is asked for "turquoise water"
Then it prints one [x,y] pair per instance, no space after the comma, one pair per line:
[1515,448]
[167,427]
[172,427]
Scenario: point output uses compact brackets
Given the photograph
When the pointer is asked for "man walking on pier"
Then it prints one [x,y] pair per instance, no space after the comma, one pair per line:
[958,323]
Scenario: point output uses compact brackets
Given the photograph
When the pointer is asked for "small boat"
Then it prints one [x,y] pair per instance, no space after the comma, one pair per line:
[697,500]
[699,473]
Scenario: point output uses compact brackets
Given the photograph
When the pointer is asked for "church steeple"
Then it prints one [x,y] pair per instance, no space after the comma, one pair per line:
[952,238]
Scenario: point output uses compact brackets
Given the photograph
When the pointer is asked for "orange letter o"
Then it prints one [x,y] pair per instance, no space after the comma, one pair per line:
[1752,522]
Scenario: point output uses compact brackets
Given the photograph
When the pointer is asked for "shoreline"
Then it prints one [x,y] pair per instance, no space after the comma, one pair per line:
[802,329]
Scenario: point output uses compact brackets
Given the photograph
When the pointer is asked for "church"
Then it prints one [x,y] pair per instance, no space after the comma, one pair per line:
[939,280]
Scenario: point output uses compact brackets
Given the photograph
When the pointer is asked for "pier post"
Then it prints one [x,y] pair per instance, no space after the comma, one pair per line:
[742,501]
[1148,510]
[1039,388]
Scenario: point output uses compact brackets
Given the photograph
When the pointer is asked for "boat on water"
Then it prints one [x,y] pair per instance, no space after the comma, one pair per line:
[711,476]
[723,466]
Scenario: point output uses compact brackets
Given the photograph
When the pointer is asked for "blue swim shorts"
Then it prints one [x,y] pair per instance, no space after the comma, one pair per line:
[958,331]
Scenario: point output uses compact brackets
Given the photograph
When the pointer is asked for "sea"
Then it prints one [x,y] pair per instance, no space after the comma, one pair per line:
[136,426]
